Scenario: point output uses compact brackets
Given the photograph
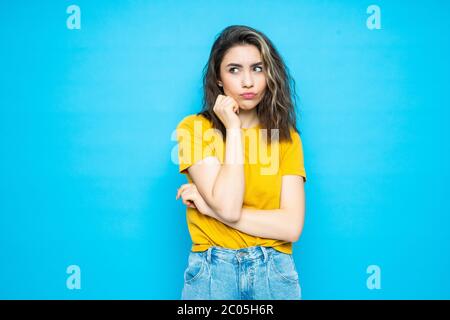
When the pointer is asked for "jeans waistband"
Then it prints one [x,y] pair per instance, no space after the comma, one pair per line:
[231,255]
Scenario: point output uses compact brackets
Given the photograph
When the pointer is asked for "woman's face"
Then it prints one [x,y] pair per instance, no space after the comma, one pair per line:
[241,71]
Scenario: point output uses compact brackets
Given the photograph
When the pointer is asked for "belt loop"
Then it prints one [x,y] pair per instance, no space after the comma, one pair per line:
[264,250]
[208,255]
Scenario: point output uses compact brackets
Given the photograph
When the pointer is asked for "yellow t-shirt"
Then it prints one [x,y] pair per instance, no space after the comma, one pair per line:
[264,165]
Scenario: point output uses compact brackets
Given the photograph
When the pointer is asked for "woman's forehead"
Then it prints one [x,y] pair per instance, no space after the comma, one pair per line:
[243,55]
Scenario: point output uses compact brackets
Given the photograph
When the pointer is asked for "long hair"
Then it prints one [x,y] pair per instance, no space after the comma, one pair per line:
[276,110]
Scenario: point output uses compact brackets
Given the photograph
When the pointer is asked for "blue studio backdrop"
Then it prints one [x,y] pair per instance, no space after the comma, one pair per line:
[91,93]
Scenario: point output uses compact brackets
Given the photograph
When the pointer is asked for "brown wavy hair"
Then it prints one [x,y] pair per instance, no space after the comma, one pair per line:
[276,110]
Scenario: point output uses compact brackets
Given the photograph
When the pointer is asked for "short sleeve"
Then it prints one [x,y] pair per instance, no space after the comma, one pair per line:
[193,145]
[292,162]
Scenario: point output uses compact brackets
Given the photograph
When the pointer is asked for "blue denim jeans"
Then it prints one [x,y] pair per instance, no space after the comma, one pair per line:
[253,273]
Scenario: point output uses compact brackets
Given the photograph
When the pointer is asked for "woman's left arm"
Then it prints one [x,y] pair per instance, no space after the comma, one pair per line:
[285,223]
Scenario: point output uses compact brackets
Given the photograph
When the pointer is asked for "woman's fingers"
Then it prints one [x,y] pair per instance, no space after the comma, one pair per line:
[182,188]
[188,197]
[224,102]
[233,104]
[185,191]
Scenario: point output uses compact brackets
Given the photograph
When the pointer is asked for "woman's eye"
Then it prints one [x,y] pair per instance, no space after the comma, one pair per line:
[259,69]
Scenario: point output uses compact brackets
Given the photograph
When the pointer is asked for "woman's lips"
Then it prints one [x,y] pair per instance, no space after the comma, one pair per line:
[248,96]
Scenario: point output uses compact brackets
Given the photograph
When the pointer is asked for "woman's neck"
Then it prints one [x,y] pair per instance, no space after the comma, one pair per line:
[248,118]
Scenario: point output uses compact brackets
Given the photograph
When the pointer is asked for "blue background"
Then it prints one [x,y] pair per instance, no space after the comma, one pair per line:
[87,116]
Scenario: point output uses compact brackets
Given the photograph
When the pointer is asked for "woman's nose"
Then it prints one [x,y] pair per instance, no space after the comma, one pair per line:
[247,80]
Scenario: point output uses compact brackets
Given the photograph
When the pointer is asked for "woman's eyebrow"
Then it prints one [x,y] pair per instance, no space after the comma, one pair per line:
[240,65]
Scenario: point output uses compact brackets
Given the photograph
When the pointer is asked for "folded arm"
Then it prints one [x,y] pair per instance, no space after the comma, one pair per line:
[222,186]
[285,223]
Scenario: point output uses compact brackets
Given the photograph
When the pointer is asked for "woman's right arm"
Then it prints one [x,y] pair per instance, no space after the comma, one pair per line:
[223,186]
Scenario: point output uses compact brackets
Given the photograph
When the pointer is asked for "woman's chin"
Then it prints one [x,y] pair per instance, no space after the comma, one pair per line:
[247,105]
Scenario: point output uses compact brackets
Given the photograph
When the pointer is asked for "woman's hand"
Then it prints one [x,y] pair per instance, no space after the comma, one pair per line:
[227,109]
[193,199]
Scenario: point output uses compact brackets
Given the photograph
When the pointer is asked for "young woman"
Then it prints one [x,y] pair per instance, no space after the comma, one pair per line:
[243,158]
